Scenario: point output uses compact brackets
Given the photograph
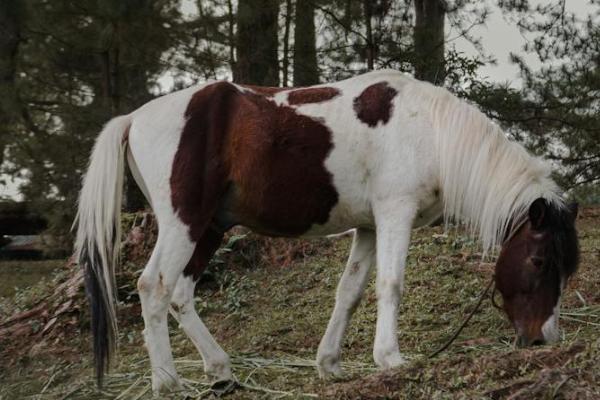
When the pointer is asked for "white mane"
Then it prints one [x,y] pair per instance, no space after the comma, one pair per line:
[487,181]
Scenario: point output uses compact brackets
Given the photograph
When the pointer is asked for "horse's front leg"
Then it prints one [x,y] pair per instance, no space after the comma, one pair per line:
[394,223]
[348,295]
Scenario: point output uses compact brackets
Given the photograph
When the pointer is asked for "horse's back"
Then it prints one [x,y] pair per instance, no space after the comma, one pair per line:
[283,162]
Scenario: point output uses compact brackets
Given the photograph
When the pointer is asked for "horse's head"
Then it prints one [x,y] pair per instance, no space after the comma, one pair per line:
[533,268]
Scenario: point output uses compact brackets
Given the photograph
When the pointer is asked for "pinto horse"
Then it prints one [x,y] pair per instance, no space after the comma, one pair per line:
[380,153]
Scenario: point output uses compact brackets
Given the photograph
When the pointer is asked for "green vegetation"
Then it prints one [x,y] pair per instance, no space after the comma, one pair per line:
[267,301]
[19,274]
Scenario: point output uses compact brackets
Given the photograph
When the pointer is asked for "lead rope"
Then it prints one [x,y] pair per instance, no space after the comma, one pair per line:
[466,321]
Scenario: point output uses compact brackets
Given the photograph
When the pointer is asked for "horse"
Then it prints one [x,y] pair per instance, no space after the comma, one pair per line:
[380,154]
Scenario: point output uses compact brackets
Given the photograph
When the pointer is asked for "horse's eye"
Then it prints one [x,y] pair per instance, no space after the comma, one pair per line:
[538,262]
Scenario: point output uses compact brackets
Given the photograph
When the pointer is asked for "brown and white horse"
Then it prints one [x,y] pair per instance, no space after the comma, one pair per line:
[380,153]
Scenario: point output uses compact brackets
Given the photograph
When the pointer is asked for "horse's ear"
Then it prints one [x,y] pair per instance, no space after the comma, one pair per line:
[537,212]
[574,209]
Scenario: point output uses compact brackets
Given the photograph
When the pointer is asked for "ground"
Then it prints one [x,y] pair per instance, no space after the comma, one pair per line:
[268,301]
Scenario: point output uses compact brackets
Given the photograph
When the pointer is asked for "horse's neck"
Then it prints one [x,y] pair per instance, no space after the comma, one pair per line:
[487,181]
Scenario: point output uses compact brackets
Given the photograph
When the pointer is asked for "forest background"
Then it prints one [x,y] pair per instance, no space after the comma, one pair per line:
[67,67]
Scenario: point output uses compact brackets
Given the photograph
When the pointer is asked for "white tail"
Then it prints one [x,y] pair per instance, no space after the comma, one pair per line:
[98,235]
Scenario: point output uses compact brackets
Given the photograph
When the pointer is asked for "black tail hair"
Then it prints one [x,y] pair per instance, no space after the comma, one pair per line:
[99,313]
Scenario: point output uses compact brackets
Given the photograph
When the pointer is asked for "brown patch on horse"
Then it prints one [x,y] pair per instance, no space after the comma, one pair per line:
[279,183]
[243,159]
[205,249]
[374,104]
[199,175]
[312,95]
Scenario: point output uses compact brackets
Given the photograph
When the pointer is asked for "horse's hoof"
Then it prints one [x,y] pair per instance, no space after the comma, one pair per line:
[389,359]
[166,384]
[223,387]
[329,367]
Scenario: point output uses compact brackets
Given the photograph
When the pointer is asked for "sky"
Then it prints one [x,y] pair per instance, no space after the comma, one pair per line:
[499,37]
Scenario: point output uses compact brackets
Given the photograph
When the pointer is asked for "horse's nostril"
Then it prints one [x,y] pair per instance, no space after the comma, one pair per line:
[521,341]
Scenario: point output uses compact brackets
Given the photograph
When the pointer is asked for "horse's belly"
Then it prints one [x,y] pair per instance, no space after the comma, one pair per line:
[283,210]
[429,214]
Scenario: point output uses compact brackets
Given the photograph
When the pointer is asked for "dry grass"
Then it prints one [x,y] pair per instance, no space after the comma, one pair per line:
[270,319]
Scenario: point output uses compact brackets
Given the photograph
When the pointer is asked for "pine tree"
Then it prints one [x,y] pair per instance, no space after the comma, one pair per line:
[306,70]
[257,57]
[10,35]
[556,112]
[78,64]
[429,61]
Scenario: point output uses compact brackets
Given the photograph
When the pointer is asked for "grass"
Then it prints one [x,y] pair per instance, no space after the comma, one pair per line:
[20,274]
[270,319]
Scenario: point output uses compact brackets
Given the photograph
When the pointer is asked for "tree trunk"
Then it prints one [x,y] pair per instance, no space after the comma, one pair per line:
[286,42]
[257,59]
[370,50]
[10,21]
[117,81]
[429,60]
[306,70]
[131,80]
[231,31]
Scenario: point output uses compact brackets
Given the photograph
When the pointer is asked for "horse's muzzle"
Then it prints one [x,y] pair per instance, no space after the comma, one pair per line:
[524,341]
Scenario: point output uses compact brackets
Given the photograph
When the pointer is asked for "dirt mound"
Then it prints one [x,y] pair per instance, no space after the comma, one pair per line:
[546,371]
[51,318]
[589,212]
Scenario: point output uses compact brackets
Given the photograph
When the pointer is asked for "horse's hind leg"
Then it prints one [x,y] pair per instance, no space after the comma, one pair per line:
[349,292]
[171,254]
[216,361]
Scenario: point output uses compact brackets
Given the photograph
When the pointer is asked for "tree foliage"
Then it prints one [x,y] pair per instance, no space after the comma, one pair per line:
[306,70]
[257,43]
[556,112]
[76,65]
[67,67]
